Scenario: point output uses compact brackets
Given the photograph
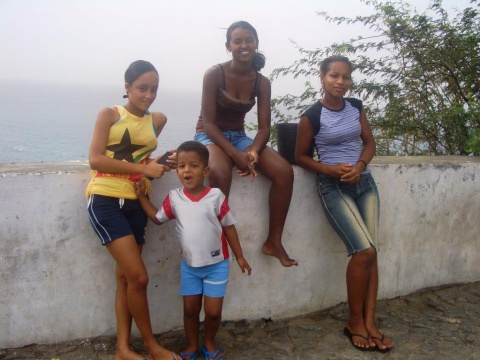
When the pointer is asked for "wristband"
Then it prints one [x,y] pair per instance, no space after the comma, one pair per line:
[364,163]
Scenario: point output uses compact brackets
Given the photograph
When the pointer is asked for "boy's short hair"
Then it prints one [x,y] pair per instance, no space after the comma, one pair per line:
[197,147]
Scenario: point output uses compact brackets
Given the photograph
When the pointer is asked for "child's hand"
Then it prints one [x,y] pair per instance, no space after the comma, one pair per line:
[244,265]
[172,159]
[140,189]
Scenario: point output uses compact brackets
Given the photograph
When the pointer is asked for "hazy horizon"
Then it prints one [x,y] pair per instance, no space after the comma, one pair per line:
[92,42]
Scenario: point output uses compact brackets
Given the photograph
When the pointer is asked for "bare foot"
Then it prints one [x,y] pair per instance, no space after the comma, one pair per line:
[160,353]
[127,355]
[359,338]
[382,342]
[279,252]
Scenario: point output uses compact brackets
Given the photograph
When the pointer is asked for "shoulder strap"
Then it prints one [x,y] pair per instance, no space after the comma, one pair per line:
[356,103]
[255,87]
[313,113]
[223,76]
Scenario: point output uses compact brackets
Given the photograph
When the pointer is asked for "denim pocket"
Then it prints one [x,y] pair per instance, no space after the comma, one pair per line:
[326,184]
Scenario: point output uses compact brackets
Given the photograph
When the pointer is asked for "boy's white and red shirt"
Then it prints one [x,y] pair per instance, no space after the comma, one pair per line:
[199,224]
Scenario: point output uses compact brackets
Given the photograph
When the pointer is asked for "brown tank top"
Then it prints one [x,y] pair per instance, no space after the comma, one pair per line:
[231,111]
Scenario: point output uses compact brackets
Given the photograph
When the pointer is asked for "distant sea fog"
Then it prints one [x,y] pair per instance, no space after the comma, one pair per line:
[54,122]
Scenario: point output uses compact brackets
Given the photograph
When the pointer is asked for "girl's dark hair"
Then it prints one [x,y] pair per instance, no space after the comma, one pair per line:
[325,65]
[137,69]
[258,61]
[197,147]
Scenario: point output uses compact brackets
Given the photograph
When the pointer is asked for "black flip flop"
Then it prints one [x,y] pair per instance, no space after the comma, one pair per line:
[383,351]
[350,336]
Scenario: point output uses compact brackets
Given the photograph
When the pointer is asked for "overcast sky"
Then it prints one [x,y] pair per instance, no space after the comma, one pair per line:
[93,42]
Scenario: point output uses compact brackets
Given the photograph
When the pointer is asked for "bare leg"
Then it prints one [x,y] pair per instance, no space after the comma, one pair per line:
[127,255]
[192,305]
[213,319]
[124,320]
[358,274]
[220,169]
[280,173]
[369,311]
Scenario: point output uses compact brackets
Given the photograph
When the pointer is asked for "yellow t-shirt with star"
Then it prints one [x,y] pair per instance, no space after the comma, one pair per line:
[133,139]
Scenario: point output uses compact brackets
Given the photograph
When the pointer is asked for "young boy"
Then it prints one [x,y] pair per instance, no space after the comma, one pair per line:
[204,226]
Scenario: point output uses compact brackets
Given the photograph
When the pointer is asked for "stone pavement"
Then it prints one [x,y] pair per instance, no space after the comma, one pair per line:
[437,323]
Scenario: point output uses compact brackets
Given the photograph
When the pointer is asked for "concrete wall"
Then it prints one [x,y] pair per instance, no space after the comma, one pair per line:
[57,283]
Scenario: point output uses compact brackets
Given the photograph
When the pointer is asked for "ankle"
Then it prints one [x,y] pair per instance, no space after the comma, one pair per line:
[210,346]
[193,348]
[356,323]
[151,344]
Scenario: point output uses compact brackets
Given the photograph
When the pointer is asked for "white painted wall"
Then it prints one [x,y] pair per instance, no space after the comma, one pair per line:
[57,282]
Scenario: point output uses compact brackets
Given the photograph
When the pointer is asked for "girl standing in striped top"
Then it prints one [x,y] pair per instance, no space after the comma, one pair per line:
[349,196]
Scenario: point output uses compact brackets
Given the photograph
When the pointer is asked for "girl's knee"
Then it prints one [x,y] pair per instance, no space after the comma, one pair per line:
[283,176]
[371,252]
[138,279]
[275,168]
[121,278]
[370,255]
[367,257]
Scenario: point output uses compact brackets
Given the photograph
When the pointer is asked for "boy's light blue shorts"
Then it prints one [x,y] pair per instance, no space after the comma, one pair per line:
[210,280]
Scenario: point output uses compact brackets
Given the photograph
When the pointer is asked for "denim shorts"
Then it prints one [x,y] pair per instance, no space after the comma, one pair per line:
[238,139]
[209,280]
[352,210]
[113,218]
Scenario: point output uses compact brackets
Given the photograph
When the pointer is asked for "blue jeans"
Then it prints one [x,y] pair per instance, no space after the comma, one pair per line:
[352,210]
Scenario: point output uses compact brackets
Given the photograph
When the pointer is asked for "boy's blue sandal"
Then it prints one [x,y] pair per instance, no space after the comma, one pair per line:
[189,356]
[209,355]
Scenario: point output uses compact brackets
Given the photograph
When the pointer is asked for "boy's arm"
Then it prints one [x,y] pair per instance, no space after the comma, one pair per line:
[234,242]
[147,206]
[149,209]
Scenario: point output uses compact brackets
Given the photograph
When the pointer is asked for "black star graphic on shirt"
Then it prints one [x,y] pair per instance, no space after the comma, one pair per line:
[125,149]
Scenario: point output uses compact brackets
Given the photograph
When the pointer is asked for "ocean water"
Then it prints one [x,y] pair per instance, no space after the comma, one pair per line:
[53,122]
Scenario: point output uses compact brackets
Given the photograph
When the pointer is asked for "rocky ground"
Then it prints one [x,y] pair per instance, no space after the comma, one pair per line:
[439,323]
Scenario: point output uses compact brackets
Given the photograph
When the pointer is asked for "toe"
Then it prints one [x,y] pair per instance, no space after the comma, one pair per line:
[360,342]
[382,342]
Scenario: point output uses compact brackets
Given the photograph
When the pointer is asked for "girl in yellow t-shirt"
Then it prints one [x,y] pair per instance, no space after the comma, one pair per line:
[123,139]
